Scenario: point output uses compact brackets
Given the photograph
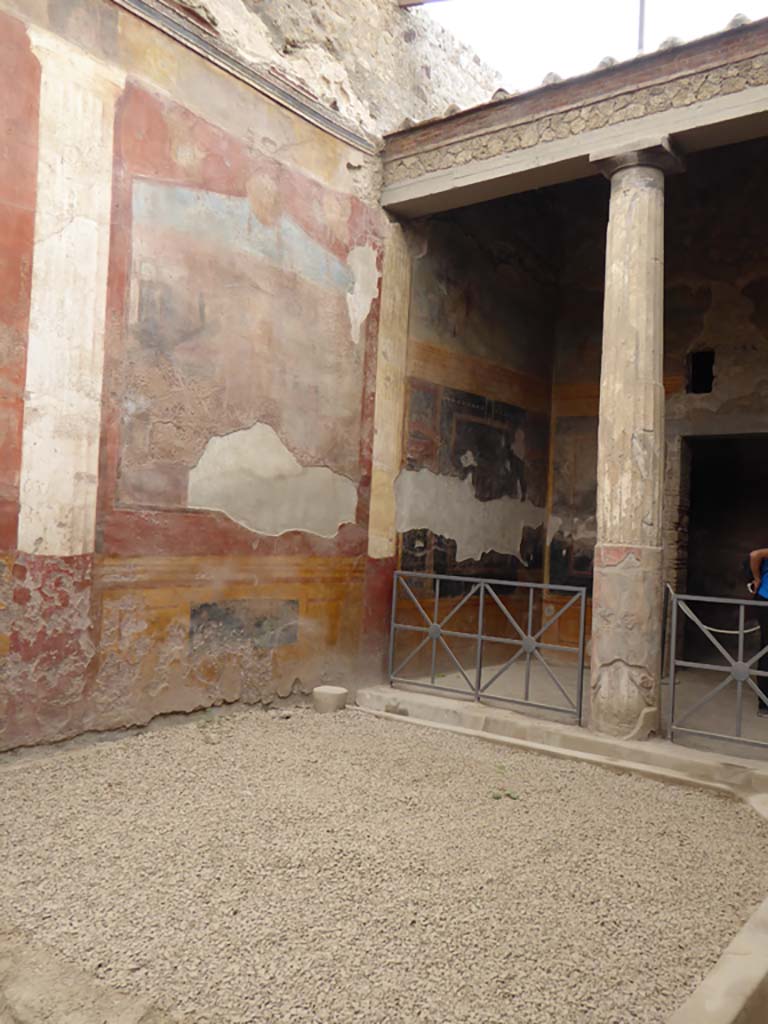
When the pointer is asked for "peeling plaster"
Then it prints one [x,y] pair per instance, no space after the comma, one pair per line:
[555,523]
[253,478]
[448,507]
[362,263]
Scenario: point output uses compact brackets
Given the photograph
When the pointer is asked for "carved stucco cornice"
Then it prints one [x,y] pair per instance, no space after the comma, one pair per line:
[266,80]
[650,85]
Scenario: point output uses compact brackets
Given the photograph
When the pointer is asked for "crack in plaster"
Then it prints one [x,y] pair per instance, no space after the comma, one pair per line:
[252,477]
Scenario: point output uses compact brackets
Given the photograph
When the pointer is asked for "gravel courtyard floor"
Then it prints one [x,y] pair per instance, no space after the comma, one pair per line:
[243,868]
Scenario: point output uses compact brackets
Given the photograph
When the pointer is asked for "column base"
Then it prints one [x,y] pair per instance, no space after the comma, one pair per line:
[626,641]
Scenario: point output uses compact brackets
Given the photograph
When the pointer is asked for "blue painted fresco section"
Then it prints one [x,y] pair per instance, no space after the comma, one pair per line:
[230,222]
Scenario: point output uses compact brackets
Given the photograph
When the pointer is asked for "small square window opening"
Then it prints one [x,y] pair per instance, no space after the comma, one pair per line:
[701,372]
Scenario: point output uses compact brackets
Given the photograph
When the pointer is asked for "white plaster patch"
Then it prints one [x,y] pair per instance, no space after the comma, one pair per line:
[65,354]
[518,446]
[554,524]
[253,478]
[447,506]
[362,263]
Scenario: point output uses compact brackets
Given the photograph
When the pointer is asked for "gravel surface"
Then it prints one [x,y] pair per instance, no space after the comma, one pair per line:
[248,868]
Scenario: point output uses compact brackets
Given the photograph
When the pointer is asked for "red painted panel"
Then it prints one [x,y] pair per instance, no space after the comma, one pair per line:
[159,140]
[50,647]
[156,138]
[19,88]
[132,532]
[377,613]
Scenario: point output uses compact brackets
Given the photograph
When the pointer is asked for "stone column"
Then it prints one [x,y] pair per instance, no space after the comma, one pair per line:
[627,600]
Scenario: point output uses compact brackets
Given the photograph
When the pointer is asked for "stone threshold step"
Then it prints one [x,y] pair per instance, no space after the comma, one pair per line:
[655,758]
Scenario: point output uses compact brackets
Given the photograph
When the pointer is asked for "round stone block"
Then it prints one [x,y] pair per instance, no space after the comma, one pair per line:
[329,698]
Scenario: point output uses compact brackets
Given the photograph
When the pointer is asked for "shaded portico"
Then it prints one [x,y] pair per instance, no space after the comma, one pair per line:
[634,124]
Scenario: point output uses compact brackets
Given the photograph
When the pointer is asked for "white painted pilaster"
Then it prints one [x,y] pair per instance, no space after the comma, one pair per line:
[65,356]
[390,393]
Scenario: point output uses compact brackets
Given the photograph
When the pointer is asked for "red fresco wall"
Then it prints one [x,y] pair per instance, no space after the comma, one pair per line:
[19,87]
[227,306]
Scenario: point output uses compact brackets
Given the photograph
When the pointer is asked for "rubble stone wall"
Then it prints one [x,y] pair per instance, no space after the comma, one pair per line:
[372,60]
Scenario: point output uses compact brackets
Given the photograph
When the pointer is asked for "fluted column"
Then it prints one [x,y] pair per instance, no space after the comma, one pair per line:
[627,599]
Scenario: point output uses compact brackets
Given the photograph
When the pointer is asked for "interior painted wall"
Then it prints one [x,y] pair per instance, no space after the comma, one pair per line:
[188,322]
[716,299]
[471,496]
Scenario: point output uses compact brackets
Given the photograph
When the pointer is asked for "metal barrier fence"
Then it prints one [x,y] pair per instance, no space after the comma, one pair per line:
[496,626]
[741,670]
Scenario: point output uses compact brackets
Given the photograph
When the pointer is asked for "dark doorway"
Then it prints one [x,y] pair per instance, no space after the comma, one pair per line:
[728,498]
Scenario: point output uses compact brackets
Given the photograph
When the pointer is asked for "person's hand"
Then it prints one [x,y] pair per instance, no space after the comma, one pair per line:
[754,586]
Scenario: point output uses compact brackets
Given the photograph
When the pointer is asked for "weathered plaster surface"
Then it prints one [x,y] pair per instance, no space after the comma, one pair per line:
[473,494]
[390,393]
[252,477]
[240,284]
[626,641]
[572,528]
[47,646]
[62,415]
[372,60]
[484,283]
[447,506]
[94,644]
[240,307]
[19,86]
[363,265]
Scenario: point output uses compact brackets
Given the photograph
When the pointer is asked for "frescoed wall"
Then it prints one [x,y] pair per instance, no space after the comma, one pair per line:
[200,395]
[472,493]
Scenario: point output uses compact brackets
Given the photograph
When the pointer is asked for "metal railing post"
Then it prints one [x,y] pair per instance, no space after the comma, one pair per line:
[529,654]
[480,623]
[435,621]
[580,668]
[392,629]
[672,661]
[739,682]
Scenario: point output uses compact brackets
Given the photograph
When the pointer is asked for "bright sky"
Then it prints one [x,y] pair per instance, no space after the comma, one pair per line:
[526,39]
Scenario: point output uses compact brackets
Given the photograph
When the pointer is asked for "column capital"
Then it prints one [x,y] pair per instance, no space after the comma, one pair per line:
[657,152]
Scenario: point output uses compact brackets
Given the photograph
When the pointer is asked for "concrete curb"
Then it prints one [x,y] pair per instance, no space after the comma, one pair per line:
[736,989]
[656,759]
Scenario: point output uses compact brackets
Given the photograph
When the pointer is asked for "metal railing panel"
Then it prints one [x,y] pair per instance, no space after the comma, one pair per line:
[491,617]
[738,671]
